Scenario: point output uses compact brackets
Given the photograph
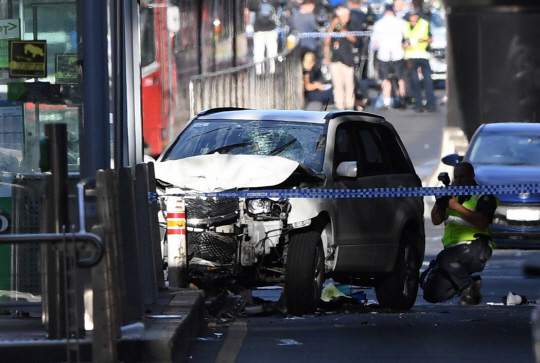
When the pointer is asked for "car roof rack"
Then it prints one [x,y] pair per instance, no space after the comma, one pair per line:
[220,109]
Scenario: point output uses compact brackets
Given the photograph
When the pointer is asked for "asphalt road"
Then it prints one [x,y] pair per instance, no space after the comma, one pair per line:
[446,332]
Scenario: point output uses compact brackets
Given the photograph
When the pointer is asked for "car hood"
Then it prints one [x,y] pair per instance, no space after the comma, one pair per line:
[509,174]
[218,172]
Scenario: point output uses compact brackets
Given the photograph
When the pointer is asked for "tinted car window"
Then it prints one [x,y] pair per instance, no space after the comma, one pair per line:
[361,142]
[299,141]
[344,146]
[398,162]
[374,160]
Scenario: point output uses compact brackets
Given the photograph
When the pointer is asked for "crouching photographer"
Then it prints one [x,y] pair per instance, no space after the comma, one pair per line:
[466,240]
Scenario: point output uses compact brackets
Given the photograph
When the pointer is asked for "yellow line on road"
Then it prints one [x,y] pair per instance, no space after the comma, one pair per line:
[233,343]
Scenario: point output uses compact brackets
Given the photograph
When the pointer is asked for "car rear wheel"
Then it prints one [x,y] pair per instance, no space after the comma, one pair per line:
[304,273]
[399,290]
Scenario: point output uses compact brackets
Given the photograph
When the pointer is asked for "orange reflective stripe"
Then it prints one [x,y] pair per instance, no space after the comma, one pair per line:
[176,223]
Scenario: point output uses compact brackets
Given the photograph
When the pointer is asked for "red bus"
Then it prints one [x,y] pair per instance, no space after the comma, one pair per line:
[159,83]
[181,39]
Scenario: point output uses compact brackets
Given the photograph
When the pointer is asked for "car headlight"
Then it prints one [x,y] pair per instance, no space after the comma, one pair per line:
[259,206]
[439,53]
[268,208]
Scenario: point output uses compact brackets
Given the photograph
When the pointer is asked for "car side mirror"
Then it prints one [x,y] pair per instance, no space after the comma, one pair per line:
[452,159]
[347,169]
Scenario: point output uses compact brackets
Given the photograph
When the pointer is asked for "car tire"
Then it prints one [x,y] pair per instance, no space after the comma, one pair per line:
[304,273]
[399,290]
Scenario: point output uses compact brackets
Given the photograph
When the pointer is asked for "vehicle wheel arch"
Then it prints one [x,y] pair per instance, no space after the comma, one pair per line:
[416,229]
[321,223]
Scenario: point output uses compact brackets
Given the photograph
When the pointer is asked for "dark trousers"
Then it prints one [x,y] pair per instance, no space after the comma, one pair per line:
[453,270]
[416,88]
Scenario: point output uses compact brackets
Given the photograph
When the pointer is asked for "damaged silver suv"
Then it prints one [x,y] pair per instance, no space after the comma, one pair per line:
[297,241]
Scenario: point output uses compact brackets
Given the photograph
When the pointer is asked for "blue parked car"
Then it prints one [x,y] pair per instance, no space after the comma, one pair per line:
[509,153]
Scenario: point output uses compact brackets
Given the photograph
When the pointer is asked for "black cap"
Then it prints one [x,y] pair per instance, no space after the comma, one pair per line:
[388,7]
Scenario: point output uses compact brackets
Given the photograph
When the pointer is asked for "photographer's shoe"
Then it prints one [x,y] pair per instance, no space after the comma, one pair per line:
[471,295]
[424,275]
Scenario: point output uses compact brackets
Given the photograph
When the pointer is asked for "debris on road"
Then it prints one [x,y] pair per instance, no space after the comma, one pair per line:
[331,292]
[288,342]
[514,299]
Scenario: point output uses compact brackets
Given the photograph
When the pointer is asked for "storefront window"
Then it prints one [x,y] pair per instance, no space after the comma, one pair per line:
[45,36]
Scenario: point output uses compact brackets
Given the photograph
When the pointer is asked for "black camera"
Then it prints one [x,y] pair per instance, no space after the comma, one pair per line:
[444,178]
[370,18]
[443,201]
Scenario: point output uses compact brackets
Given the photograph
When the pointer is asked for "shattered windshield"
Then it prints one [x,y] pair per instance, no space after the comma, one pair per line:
[299,141]
[506,148]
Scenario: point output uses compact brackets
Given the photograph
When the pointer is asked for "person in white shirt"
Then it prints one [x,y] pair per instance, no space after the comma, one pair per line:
[401,8]
[387,38]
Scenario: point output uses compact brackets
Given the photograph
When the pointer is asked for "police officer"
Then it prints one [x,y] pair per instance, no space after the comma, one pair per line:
[467,243]
[417,38]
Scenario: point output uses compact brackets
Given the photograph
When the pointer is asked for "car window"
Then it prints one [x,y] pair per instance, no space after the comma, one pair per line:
[344,146]
[374,160]
[505,148]
[399,163]
[360,142]
[299,141]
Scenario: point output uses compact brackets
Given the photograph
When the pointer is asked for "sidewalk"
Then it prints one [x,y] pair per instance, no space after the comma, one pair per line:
[164,334]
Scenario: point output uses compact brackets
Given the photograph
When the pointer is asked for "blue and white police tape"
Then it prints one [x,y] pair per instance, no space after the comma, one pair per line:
[332,35]
[363,193]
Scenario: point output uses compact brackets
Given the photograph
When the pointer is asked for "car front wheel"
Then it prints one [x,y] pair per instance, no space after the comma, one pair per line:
[304,273]
[398,291]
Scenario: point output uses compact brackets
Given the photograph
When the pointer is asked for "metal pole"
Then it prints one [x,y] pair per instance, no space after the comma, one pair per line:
[57,220]
[95,133]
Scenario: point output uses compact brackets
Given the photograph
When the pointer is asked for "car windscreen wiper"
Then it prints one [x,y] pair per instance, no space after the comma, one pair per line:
[282,148]
[208,132]
[228,148]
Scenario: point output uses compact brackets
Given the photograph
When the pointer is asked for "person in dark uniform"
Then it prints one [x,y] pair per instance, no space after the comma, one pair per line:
[317,94]
[359,23]
[338,53]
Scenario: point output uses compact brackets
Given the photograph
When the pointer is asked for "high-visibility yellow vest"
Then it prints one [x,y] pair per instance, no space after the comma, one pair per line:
[457,229]
[420,31]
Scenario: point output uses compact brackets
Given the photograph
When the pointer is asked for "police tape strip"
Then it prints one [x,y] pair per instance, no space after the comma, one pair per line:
[363,193]
[332,35]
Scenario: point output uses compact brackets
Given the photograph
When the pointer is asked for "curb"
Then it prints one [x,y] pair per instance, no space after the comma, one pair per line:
[176,320]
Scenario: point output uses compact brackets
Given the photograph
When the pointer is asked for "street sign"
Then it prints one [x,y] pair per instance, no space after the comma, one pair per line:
[9,29]
[27,58]
[66,68]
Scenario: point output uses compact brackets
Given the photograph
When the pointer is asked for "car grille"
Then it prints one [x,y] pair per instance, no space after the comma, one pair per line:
[200,208]
[211,246]
[501,219]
